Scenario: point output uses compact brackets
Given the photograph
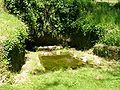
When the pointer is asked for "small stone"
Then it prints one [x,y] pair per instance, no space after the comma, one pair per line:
[84,59]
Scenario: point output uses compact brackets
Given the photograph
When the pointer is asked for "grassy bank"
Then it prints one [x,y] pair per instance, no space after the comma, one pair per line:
[12,43]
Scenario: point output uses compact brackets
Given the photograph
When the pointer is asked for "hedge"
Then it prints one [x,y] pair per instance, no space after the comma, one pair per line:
[60,19]
[76,23]
[12,41]
[107,51]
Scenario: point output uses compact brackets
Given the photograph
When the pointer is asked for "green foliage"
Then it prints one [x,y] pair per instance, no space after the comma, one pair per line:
[111,38]
[77,23]
[106,51]
[117,5]
[1,5]
[107,17]
[40,16]
[53,17]
[16,50]
[86,33]
[12,41]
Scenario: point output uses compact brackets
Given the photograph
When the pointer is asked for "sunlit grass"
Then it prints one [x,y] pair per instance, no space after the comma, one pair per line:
[85,78]
[8,24]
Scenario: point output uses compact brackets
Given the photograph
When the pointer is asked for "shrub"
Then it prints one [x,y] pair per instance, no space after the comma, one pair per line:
[12,41]
[107,17]
[48,18]
[84,33]
[111,38]
[106,51]
[117,5]
[72,22]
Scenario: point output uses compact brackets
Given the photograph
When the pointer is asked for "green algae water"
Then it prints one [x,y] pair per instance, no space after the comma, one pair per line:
[56,62]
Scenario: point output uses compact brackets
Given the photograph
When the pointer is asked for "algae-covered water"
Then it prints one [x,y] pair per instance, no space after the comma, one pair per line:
[56,62]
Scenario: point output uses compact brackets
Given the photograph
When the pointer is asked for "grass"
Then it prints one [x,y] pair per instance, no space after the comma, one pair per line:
[9,24]
[104,77]
[84,78]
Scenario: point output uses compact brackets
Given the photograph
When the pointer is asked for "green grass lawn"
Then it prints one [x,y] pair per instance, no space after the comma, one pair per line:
[85,78]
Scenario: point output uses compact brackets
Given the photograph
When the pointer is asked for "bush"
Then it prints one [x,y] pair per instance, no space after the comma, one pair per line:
[85,33]
[111,38]
[12,41]
[48,18]
[117,5]
[107,17]
[111,52]
[71,22]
